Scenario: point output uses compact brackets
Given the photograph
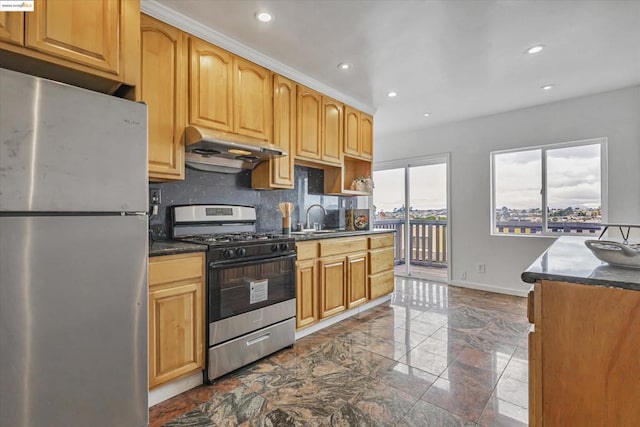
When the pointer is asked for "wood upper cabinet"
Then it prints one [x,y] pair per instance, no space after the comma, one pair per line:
[358,134]
[99,38]
[12,28]
[332,130]
[332,283]
[357,279]
[252,100]
[229,94]
[163,87]
[366,136]
[351,131]
[279,172]
[176,316]
[309,117]
[210,86]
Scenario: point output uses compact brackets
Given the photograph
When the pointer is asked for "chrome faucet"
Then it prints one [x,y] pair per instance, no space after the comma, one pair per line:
[313,206]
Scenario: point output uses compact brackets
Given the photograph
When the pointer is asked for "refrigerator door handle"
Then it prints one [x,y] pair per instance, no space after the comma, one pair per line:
[134,214]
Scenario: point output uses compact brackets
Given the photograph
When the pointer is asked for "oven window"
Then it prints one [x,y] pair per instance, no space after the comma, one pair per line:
[239,288]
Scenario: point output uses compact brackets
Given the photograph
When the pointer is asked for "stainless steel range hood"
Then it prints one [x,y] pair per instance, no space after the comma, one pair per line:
[216,152]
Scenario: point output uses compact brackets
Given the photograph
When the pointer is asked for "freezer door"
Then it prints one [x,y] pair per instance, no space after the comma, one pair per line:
[68,149]
[73,321]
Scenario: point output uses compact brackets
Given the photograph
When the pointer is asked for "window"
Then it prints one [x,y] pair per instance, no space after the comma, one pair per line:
[549,190]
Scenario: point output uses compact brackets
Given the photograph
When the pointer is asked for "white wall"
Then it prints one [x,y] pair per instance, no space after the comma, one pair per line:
[615,115]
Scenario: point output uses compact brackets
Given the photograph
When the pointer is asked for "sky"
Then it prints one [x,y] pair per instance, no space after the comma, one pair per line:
[428,188]
[573,180]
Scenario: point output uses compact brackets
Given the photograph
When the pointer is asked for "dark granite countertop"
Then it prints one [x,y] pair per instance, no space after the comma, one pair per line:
[171,247]
[569,260]
[339,233]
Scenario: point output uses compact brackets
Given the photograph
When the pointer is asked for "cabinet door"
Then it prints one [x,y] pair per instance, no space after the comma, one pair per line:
[210,86]
[366,136]
[306,293]
[309,118]
[175,325]
[333,295]
[163,87]
[332,130]
[86,32]
[351,131]
[253,106]
[357,279]
[12,28]
[284,132]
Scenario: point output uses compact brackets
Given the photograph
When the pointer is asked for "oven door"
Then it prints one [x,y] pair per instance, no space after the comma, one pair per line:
[239,287]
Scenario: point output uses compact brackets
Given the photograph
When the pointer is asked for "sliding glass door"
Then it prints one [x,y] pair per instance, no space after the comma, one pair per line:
[412,198]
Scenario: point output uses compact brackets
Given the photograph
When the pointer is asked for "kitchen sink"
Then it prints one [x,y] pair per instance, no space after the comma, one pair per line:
[312,231]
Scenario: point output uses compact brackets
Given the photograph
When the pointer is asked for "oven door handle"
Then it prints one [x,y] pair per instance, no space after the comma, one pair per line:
[235,263]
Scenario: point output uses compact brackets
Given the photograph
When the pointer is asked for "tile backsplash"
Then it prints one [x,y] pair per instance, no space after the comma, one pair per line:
[218,188]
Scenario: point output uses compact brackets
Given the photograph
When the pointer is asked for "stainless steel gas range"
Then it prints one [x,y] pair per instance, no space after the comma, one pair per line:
[251,284]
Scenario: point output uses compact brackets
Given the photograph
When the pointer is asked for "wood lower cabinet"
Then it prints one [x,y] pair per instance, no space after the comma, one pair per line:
[176,316]
[583,355]
[306,285]
[163,87]
[333,286]
[381,265]
[334,275]
[357,289]
[98,37]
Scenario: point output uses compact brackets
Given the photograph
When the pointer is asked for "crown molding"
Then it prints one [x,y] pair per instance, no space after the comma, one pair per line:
[186,24]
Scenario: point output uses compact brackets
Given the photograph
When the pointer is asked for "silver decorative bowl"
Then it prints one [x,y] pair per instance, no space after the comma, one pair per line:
[615,253]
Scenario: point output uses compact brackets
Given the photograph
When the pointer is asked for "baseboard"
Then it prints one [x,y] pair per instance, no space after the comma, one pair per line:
[337,318]
[497,289]
[174,388]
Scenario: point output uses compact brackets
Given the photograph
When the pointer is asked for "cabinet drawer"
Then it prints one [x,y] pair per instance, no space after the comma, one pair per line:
[307,250]
[381,260]
[172,268]
[341,246]
[381,241]
[381,284]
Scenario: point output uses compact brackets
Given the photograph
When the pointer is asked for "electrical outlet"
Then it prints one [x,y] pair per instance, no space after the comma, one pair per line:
[480,267]
[155,196]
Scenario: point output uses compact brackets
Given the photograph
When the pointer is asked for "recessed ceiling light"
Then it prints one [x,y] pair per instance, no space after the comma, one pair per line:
[426,114]
[535,49]
[264,16]
[392,94]
[547,87]
[344,66]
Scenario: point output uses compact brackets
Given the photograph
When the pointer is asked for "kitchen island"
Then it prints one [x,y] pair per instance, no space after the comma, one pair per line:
[584,343]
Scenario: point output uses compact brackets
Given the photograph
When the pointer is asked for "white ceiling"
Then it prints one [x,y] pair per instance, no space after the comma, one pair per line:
[456,59]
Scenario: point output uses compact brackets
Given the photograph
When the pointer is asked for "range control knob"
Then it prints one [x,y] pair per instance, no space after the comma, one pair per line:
[227,253]
[241,251]
[274,248]
[283,247]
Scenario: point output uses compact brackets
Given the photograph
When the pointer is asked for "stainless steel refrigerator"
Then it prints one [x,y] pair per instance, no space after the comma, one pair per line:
[73,256]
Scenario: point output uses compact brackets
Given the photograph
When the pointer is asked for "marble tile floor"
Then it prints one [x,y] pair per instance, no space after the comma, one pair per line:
[435,355]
